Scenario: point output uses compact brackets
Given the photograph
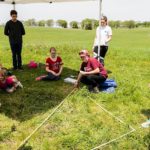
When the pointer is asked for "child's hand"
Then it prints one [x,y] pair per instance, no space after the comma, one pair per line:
[76,85]
[83,72]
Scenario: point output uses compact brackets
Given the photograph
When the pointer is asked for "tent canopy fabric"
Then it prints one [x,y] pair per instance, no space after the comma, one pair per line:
[37,1]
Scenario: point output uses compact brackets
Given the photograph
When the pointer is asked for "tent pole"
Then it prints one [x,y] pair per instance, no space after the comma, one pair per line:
[100,15]
[14,5]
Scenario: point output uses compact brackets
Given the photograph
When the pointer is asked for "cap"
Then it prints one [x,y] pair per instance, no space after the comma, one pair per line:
[83,53]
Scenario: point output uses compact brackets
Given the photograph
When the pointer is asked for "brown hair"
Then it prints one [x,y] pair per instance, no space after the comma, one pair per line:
[2,74]
[13,12]
[52,48]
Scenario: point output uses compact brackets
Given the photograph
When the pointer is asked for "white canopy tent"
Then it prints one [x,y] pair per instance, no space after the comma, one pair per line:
[38,1]
[14,2]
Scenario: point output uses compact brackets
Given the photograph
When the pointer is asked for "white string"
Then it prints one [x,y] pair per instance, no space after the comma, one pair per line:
[120,137]
[102,145]
[46,119]
[121,121]
[118,119]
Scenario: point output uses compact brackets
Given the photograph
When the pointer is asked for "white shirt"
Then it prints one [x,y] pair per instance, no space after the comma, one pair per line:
[104,33]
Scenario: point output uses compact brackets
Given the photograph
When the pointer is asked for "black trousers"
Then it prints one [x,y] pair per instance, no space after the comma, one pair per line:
[93,80]
[51,77]
[16,49]
[103,51]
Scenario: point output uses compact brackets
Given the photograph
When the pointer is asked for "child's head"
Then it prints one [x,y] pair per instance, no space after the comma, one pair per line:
[84,55]
[2,75]
[53,52]
[104,21]
[13,14]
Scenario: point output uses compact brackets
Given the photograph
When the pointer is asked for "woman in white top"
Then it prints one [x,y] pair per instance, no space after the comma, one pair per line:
[105,33]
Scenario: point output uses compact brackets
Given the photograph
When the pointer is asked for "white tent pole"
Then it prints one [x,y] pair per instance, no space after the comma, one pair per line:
[100,15]
[14,7]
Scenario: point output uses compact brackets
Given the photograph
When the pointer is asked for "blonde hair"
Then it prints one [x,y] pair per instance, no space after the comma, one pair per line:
[2,74]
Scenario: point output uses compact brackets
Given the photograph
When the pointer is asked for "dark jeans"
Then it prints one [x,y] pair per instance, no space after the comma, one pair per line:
[92,80]
[16,49]
[103,51]
[51,77]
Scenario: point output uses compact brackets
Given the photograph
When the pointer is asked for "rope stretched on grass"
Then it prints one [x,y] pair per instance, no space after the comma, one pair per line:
[121,121]
[118,119]
[120,137]
[46,119]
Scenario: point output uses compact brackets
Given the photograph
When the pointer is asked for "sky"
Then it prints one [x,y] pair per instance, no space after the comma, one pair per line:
[137,10]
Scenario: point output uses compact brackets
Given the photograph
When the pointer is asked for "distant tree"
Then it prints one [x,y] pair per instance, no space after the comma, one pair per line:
[112,24]
[86,24]
[137,24]
[74,25]
[95,23]
[62,23]
[50,23]
[30,22]
[115,24]
[129,24]
[146,24]
[89,24]
[41,23]
[2,25]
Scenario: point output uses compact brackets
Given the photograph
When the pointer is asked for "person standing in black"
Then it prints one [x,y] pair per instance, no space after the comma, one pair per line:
[14,29]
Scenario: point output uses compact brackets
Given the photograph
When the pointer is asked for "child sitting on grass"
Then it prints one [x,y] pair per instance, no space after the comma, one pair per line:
[8,83]
[54,67]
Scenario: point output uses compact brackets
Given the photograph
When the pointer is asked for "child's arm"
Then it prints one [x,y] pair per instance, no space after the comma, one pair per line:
[60,71]
[50,71]
[76,85]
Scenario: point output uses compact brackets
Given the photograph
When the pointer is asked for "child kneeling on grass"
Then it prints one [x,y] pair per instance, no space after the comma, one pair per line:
[92,72]
[54,67]
[8,83]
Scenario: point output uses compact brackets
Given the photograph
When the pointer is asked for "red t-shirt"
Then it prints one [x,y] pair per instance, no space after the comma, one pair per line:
[3,85]
[7,82]
[54,65]
[93,64]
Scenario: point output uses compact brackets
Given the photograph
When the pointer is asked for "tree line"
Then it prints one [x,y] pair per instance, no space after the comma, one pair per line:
[87,24]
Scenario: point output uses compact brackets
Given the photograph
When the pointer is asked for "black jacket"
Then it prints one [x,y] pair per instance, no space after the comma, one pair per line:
[14,30]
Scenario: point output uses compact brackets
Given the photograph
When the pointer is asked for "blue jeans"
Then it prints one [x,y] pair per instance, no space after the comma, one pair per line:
[51,77]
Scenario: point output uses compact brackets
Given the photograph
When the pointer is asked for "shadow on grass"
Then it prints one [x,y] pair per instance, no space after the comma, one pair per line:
[147,141]
[26,148]
[36,97]
[146,113]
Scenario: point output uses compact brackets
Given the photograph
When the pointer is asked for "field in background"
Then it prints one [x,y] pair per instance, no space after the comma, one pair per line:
[79,123]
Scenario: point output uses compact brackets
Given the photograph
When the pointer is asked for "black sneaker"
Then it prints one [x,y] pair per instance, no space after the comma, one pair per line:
[20,68]
[93,90]
[14,68]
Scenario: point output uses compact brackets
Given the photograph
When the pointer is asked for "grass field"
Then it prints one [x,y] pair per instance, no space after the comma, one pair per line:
[79,124]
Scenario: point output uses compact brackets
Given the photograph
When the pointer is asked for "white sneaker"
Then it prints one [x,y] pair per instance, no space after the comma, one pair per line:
[19,84]
[146,124]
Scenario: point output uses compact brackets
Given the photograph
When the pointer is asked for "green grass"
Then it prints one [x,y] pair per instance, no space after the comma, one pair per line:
[79,124]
